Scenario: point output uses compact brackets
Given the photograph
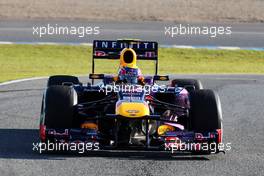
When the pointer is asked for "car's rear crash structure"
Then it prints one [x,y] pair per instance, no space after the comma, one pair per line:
[182,112]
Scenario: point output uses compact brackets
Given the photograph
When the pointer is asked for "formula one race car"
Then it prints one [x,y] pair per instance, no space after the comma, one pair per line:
[129,110]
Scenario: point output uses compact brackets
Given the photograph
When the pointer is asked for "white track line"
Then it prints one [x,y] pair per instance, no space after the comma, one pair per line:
[31,79]
[228,48]
[21,80]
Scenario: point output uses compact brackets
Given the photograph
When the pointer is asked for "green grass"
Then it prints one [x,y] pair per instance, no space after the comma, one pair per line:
[23,61]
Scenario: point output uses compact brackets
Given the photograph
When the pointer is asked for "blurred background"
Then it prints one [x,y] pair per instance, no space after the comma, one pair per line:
[136,10]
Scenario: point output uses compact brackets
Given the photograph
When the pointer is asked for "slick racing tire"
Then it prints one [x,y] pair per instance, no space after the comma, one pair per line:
[60,79]
[205,112]
[189,84]
[59,104]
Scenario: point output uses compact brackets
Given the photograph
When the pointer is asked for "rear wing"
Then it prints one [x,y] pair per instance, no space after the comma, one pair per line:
[111,49]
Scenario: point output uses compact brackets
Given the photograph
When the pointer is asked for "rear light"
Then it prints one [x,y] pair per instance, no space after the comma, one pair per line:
[220,135]
[42,133]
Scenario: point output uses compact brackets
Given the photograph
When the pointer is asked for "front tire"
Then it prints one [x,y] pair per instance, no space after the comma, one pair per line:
[60,79]
[189,84]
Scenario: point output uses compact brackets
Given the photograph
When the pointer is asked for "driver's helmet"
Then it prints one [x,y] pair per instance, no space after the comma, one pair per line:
[128,69]
[129,75]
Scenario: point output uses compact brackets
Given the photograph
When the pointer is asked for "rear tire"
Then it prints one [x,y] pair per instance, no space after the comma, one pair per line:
[205,113]
[189,84]
[60,79]
[59,107]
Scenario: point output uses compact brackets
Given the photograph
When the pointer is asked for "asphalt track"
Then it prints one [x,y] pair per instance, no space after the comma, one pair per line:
[242,103]
[243,35]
